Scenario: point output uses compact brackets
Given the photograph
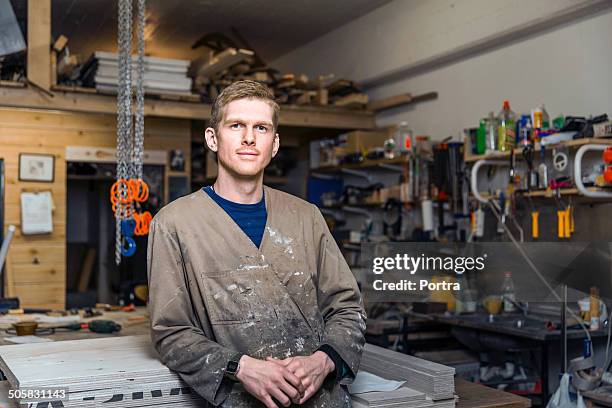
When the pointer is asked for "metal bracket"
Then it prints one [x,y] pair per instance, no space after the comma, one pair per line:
[474,176]
[578,171]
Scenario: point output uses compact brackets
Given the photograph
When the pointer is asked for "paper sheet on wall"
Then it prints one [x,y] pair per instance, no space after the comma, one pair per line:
[36,213]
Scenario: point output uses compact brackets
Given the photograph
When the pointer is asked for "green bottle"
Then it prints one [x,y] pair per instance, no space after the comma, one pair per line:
[481,137]
[506,133]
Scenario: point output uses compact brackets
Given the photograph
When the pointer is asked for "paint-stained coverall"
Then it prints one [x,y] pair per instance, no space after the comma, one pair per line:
[213,293]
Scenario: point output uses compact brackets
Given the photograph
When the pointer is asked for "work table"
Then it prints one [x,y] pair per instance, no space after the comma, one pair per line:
[530,329]
[136,323]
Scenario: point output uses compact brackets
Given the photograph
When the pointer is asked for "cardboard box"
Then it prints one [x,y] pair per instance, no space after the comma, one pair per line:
[360,140]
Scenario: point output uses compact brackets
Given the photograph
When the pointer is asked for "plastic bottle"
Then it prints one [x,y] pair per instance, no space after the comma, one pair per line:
[481,137]
[545,118]
[491,124]
[403,138]
[508,293]
[506,128]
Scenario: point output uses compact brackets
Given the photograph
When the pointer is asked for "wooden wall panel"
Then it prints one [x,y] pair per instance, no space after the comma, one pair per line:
[36,268]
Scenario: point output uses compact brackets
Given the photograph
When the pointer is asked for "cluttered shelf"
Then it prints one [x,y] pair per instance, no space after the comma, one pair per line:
[549,193]
[575,143]
[271,180]
[365,164]
[76,100]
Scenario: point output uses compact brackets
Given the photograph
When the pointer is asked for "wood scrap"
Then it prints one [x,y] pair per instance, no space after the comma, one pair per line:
[342,87]
[399,100]
[305,98]
[354,100]
[86,270]
[208,67]
[60,43]
[322,97]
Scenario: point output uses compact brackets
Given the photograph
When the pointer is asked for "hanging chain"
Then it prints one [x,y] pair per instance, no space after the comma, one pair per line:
[124,110]
[139,114]
[130,142]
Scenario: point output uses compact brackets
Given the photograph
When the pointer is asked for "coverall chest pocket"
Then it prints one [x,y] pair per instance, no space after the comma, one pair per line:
[230,297]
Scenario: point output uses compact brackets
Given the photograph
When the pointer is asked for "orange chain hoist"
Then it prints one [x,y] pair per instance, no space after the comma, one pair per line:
[123,195]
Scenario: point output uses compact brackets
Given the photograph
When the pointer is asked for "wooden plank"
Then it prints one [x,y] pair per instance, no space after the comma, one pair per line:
[479,396]
[354,100]
[47,295]
[313,117]
[39,43]
[390,102]
[12,84]
[92,154]
[86,270]
[60,43]
[207,67]
[42,253]
[37,274]
[399,100]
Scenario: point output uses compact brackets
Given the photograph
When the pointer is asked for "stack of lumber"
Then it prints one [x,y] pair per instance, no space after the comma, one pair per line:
[161,75]
[405,396]
[217,70]
[435,380]
[117,371]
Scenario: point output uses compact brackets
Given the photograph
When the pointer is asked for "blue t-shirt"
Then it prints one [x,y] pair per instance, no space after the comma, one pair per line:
[251,218]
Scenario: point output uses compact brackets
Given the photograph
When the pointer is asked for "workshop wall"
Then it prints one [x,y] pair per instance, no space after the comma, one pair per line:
[519,70]
[36,267]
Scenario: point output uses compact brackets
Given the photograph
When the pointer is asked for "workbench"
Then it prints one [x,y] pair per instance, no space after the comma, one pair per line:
[132,324]
[136,323]
[473,395]
[531,335]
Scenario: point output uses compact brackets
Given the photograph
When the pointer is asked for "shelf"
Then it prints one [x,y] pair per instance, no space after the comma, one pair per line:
[518,152]
[74,100]
[546,193]
[366,164]
[271,180]
[341,206]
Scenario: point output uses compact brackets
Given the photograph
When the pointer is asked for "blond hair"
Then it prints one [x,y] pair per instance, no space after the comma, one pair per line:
[241,90]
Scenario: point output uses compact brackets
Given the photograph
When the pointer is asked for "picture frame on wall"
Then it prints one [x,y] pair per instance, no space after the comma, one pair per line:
[36,167]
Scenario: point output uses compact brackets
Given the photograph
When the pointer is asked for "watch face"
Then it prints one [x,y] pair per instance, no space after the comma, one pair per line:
[232,367]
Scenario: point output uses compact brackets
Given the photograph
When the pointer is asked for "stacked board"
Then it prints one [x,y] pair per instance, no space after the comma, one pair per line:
[434,380]
[161,75]
[125,372]
[119,372]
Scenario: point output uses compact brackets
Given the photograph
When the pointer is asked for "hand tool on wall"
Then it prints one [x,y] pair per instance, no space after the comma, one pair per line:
[535,228]
[542,169]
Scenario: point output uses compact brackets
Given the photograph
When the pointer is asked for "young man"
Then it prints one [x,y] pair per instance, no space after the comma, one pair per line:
[250,299]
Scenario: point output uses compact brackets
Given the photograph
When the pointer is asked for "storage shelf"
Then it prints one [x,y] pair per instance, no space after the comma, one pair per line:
[366,164]
[273,180]
[547,194]
[79,100]
[518,152]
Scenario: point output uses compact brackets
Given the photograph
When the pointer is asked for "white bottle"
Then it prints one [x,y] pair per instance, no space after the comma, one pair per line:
[508,293]
[403,138]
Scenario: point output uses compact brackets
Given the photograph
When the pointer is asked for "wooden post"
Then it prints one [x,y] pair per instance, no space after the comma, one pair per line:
[39,43]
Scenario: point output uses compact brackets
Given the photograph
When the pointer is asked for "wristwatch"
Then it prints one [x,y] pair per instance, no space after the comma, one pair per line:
[233,366]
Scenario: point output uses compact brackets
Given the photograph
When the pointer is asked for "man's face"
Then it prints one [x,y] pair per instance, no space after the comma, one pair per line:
[246,141]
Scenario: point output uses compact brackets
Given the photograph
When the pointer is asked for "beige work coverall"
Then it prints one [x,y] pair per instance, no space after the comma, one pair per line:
[213,293]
